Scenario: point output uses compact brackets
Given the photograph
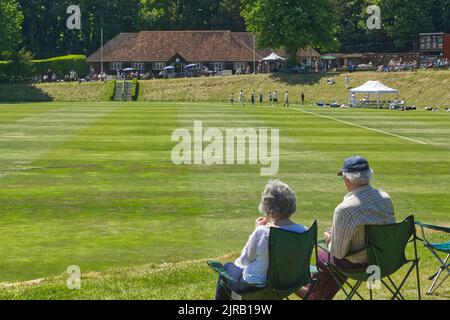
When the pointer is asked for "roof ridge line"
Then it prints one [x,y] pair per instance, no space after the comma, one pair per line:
[244,44]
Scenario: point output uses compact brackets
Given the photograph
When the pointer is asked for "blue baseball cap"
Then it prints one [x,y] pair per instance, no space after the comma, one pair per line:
[354,164]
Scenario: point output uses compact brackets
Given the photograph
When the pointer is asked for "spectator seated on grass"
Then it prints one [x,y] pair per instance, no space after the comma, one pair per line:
[362,206]
[278,204]
[331,81]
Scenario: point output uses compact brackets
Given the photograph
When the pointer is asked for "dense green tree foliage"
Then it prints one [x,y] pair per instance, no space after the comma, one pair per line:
[40,25]
[11,19]
[291,24]
[46,32]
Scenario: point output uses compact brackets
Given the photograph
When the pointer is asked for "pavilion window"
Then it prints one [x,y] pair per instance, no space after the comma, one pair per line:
[219,66]
[116,65]
[138,65]
[159,65]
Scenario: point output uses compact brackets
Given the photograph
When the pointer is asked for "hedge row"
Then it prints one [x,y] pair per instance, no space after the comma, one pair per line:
[110,90]
[63,64]
[135,89]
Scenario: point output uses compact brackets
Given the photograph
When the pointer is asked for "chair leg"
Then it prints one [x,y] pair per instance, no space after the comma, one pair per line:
[419,294]
[404,280]
[355,290]
[434,287]
[387,286]
[335,274]
[444,266]
[417,265]
[395,287]
[342,282]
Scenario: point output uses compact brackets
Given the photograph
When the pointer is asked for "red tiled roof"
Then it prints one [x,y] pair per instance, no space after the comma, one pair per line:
[194,46]
[114,44]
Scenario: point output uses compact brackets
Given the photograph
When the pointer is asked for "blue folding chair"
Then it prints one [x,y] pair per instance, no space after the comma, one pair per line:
[442,247]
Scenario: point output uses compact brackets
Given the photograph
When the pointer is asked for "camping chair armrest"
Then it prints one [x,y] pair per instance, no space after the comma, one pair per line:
[322,245]
[218,267]
[432,227]
[352,253]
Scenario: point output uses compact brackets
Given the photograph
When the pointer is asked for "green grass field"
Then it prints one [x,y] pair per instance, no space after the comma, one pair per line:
[93,185]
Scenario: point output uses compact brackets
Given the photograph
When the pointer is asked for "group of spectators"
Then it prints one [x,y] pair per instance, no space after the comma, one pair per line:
[439,64]
[51,76]
[72,76]
[399,65]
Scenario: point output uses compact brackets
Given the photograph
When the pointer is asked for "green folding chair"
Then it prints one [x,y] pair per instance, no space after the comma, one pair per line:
[385,245]
[289,266]
[442,247]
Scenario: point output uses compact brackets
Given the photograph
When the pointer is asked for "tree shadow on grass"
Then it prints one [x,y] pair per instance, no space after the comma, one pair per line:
[17,93]
[300,79]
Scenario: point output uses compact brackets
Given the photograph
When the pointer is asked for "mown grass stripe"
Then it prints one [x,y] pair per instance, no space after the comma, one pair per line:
[362,127]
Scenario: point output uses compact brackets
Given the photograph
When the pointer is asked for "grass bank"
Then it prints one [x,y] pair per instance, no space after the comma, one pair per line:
[59,92]
[188,280]
[421,89]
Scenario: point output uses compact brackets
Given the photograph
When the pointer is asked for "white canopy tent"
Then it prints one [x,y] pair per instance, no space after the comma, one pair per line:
[373,87]
[273,57]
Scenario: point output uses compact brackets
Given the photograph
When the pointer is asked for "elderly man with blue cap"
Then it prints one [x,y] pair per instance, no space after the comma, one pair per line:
[363,205]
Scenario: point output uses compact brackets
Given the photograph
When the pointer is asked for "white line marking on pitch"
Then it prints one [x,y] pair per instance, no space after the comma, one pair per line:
[363,127]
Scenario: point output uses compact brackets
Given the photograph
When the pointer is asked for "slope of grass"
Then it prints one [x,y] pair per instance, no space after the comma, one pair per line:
[189,280]
[67,91]
[423,88]
[92,184]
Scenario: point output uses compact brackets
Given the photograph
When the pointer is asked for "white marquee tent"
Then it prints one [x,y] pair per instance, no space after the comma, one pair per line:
[373,88]
[273,57]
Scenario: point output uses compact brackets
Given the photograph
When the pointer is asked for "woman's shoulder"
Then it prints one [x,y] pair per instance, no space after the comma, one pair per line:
[261,231]
[296,228]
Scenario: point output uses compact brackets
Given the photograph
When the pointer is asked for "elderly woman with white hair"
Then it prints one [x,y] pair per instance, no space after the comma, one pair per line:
[278,204]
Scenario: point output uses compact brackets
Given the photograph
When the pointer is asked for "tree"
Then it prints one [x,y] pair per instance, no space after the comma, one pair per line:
[191,15]
[157,14]
[196,14]
[405,19]
[291,24]
[351,30]
[440,13]
[11,19]
[21,64]
[46,33]
[229,16]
